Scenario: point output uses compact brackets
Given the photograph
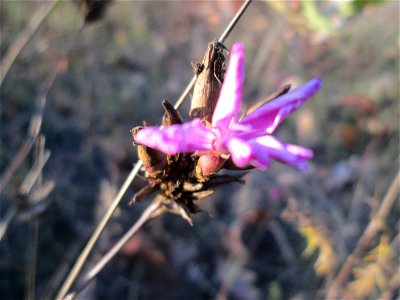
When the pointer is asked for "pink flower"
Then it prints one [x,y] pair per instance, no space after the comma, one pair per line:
[248,140]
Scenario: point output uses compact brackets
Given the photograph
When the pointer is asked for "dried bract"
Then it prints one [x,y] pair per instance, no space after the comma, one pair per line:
[210,75]
[174,176]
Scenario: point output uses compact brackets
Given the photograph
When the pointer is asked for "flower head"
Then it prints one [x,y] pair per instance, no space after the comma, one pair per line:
[247,140]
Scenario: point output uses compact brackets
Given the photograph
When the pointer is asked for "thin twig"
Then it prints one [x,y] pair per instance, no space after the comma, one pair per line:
[16,162]
[185,93]
[35,125]
[234,21]
[59,275]
[100,227]
[6,221]
[34,176]
[41,100]
[33,131]
[153,210]
[158,207]
[34,23]
[369,233]
[25,189]
[221,39]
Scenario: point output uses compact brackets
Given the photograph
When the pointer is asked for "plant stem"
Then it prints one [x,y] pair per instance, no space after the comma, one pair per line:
[34,177]
[221,39]
[150,213]
[234,21]
[100,227]
[96,234]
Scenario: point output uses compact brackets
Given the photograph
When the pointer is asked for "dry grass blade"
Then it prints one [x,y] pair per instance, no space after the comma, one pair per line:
[35,125]
[34,23]
[100,227]
[33,174]
[155,209]
[158,207]
[40,193]
[34,177]
[6,221]
[365,239]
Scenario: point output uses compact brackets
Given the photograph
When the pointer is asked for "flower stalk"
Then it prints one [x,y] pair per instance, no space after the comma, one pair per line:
[102,224]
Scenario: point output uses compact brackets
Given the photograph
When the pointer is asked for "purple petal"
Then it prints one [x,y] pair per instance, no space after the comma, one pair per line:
[289,154]
[188,137]
[270,115]
[244,154]
[230,98]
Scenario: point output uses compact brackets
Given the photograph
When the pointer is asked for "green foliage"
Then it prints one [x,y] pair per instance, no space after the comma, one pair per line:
[321,18]
[349,8]
[316,20]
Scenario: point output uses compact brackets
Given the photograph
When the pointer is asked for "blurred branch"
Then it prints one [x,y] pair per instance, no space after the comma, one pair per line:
[153,210]
[370,232]
[34,177]
[394,282]
[33,207]
[100,227]
[34,23]
[58,276]
[96,234]
[390,293]
[35,125]
[37,118]
[6,221]
[158,207]
[33,174]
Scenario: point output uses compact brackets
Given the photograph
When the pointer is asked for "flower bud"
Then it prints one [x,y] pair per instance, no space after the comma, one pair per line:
[210,74]
[208,165]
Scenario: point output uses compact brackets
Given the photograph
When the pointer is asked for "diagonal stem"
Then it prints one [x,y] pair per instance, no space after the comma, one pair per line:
[234,21]
[370,232]
[158,207]
[96,234]
[100,227]
[34,23]
[152,211]
[221,39]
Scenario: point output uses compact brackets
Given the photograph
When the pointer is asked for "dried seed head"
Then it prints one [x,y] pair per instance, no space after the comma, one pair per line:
[210,74]
[153,161]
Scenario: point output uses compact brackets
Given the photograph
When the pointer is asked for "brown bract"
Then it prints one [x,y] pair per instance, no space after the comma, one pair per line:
[174,176]
[210,75]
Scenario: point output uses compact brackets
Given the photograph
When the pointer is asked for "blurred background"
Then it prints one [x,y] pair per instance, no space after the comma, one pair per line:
[95,70]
